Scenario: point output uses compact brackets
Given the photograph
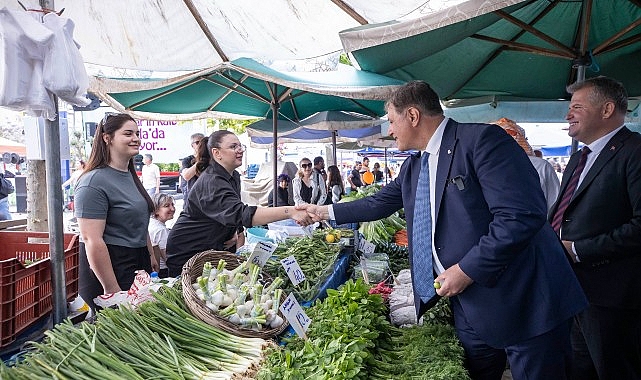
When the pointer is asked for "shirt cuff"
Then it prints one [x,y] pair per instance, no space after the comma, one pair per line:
[330,211]
[576,255]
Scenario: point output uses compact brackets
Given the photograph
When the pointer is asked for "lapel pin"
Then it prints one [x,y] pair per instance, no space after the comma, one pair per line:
[449,151]
[612,147]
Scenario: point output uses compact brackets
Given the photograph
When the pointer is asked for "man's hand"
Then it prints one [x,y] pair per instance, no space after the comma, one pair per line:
[315,213]
[453,281]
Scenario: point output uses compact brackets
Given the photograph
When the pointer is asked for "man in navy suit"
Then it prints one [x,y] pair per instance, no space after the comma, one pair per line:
[511,288]
[600,225]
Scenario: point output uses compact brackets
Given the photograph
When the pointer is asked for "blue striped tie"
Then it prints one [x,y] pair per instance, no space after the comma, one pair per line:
[422,271]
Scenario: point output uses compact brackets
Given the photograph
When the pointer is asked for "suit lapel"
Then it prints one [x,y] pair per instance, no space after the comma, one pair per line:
[609,150]
[445,157]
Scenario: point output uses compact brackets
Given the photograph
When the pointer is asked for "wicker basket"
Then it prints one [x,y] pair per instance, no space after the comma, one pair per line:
[194,268]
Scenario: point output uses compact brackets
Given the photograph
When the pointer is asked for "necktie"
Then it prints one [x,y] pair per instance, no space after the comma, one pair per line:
[422,272]
[569,190]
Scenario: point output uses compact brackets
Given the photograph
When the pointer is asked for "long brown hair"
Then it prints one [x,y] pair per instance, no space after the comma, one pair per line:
[203,154]
[100,155]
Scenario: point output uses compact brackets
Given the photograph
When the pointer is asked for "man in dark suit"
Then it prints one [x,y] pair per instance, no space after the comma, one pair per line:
[512,290]
[598,217]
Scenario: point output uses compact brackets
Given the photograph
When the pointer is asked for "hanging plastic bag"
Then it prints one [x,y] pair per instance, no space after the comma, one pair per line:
[22,43]
[64,72]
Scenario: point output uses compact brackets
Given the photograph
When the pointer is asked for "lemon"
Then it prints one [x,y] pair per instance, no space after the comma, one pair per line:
[330,238]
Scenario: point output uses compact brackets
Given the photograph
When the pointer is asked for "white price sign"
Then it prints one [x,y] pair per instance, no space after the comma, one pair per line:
[293,270]
[365,246]
[294,313]
[262,252]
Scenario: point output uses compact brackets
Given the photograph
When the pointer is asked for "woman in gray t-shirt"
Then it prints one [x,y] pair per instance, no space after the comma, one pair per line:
[112,209]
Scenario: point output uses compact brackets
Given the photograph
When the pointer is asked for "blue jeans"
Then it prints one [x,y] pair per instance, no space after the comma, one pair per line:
[4,209]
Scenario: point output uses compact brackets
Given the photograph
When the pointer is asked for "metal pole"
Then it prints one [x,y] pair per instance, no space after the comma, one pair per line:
[334,147]
[275,107]
[386,168]
[580,70]
[54,203]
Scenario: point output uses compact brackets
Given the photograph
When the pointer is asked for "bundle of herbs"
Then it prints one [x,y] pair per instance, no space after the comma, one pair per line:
[349,338]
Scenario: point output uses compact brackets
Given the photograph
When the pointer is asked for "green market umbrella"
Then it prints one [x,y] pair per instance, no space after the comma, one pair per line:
[248,88]
[501,49]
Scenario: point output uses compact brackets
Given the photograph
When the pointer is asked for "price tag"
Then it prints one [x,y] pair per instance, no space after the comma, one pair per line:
[365,246]
[294,313]
[262,252]
[293,270]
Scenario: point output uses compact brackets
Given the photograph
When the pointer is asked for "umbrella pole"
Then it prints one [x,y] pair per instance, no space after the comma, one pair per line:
[580,77]
[275,107]
[334,147]
[385,158]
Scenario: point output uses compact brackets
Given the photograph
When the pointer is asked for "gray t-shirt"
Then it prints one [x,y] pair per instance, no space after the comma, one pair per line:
[112,195]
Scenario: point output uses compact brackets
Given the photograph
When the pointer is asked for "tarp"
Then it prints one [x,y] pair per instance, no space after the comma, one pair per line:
[169,35]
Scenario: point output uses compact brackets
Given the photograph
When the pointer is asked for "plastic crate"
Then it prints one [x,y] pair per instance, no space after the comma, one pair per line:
[26,291]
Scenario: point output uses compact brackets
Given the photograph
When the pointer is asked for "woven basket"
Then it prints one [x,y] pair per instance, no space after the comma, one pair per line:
[194,269]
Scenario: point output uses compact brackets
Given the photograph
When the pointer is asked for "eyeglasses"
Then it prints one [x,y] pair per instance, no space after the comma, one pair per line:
[305,166]
[238,147]
[195,142]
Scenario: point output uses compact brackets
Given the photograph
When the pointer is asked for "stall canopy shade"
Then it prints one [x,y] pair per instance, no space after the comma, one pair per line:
[507,49]
[246,87]
[170,35]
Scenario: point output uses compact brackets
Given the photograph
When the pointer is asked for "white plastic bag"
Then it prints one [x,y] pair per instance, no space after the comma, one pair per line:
[64,72]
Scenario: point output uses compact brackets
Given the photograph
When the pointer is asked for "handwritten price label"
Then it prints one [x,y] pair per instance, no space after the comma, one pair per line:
[262,252]
[294,313]
[365,246]
[293,270]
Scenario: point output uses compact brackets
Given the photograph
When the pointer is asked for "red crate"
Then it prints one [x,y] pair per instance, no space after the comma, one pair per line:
[26,291]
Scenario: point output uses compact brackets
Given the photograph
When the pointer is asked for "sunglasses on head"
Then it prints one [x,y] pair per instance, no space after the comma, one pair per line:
[305,166]
[107,116]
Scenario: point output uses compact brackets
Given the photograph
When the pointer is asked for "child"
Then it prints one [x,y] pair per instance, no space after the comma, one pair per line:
[163,211]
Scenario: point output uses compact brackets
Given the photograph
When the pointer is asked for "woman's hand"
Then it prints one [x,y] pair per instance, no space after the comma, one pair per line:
[231,242]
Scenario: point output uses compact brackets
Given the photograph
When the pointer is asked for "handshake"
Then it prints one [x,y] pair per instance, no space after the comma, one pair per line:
[307,214]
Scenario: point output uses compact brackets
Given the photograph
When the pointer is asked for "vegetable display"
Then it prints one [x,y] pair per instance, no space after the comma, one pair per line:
[382,230]
[237,296]
[350,338]
[315,257]
[158,340]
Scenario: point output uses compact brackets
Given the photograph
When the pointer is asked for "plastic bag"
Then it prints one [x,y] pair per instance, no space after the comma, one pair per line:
[64,72]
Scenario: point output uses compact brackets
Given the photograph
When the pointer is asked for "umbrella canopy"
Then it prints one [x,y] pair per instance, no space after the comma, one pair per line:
[507,49]
[322,127]
[246,87]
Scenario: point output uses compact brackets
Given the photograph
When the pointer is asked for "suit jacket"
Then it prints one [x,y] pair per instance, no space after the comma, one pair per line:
[491,220]
[603,220]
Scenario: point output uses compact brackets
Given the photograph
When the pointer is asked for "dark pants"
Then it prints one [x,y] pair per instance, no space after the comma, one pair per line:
[544,357]
[125,262]
[606,344]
